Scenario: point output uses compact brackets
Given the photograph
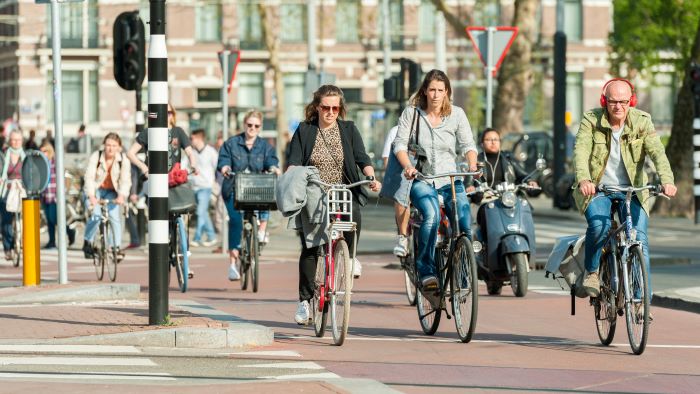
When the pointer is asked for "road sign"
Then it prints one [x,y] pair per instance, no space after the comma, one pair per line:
[234,57]
[503,37]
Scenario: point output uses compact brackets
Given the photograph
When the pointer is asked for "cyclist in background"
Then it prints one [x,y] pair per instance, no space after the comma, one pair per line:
[437,132]
[107,177]
[244,152]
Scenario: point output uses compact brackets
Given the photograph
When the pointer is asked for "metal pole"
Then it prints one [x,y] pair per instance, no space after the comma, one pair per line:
[58,126]
[489,77]
[158,228]
[559,105]
[225,133]
[440,42]
[311,33]
[696,161]
[386,38]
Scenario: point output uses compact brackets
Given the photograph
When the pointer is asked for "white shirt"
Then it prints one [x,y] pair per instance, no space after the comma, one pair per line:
[206,164]
[389,140]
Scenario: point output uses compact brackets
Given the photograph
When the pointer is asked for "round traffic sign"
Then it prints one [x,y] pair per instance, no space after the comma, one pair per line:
[35,172]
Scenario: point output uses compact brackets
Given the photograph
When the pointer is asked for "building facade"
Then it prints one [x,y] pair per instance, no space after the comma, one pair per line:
[348,45]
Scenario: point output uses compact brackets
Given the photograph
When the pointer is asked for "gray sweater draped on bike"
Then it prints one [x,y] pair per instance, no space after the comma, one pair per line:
[303,203]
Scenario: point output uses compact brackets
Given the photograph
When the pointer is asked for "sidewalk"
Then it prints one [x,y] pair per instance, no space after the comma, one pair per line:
[114,314]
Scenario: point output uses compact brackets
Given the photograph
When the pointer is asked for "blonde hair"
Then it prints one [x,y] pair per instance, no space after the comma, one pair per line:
[173,122]
[48,150]
[253,113]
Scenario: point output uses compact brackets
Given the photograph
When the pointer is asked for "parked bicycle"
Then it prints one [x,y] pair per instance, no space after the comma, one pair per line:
[105,250]
[333,287]
[457,275]
[622,257]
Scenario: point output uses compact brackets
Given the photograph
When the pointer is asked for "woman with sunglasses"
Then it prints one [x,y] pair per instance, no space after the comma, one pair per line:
[334,146]
[443,136]
[178,140]
[244,152]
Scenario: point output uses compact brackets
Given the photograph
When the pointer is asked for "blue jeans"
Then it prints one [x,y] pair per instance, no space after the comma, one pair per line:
[598,218]
[203,220]
[235,223]
[114,217]
[425,198]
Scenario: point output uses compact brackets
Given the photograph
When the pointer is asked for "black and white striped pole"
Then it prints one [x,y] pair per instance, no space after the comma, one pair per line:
[695,86]
[158,229]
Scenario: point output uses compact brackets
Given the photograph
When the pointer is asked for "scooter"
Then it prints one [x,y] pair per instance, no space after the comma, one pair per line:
[505,250]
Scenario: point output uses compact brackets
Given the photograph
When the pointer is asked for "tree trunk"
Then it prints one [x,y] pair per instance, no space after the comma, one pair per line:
[272,44]
[515,76]
[680,146]
[452,18]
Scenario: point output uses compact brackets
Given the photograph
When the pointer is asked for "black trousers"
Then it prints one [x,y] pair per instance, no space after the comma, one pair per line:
[309,257]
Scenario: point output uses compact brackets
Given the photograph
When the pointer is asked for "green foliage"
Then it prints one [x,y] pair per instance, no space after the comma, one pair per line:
[653,32]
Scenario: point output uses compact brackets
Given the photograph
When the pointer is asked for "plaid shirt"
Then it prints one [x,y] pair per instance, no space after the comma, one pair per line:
[49,195]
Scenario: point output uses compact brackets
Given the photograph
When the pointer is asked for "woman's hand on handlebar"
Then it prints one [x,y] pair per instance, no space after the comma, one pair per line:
[119,200]
[410,172]
[226,171]
[375,185]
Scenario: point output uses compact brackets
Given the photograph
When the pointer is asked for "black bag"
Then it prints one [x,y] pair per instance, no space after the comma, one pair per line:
[418,151]
[181,199]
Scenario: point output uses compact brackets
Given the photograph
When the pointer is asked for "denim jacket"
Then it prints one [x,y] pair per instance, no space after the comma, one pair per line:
[236,155]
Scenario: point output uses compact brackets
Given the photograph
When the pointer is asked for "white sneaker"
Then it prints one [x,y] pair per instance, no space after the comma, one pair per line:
[401,248]
[194,243]
[303,314]
[233,272]
[210,242]
[263,237]
[356,268]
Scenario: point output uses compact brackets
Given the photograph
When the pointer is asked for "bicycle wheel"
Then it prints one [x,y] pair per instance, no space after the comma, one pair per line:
[604,305]
[320,317]
[637,309]
[181,254]
[98,252]
[518,280]
[341,291]
[409,269]
[428,314]
[254,255]
[17,247]
[244,259]
[464,289]
[111,251]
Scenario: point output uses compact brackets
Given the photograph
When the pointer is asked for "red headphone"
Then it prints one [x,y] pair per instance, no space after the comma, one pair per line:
[604,100]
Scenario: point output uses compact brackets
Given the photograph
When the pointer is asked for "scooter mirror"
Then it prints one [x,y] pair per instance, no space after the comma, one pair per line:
[541,164]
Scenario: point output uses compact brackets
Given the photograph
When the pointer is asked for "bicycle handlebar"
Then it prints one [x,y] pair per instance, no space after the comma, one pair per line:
[655,189]
[367,180]
[421,176]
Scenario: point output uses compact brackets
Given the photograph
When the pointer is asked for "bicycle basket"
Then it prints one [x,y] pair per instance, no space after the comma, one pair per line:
[255,192]
[181,199]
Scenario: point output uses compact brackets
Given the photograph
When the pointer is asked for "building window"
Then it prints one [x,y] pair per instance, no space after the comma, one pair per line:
[79,93]
[78,25]
[574,96]
[347,14]
[251,91]
[294,97]
[208,22]
[573,20]
[395,24]
[488,13]
[426,20]
[293,22]
[663,98]
[249,25]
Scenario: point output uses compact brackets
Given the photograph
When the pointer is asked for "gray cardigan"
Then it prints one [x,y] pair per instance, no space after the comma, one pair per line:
[303,203]
[442,144]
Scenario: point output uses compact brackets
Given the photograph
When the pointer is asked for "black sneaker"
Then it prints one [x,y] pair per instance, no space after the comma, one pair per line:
[87,250]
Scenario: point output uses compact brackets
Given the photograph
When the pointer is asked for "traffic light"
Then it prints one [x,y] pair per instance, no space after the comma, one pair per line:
[409,78]
[695,80]
[129,50]
[391,88]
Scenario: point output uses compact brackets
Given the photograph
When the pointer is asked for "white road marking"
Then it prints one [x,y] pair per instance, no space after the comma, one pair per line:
[85,377]
[127,361]
[324,375]
[293,365]
[68,349]
[272,353]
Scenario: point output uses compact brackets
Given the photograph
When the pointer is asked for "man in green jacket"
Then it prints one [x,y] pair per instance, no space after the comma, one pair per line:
[611,146]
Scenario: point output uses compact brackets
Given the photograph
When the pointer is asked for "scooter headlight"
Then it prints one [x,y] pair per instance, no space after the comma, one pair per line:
[508,199]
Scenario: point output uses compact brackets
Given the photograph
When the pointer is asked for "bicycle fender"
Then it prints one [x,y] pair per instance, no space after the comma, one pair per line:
[514,243]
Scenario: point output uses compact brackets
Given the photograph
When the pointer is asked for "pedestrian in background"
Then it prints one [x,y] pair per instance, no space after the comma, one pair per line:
[202,184]
[31,141]
[48,201]
[11,171]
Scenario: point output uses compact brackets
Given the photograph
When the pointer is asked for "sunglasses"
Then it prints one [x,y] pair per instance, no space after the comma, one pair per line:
[171,112]
[251,125]
[329,108]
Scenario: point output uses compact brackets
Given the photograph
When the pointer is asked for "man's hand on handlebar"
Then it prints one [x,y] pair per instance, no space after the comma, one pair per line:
[670,189]
[587,188]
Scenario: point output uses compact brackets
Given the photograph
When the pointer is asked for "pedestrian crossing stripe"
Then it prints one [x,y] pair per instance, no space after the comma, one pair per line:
[92,349]
[292,365]
[87,376]
[111,361]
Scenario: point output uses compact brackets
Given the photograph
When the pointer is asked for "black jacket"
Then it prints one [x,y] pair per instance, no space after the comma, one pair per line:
[511,171]
[354,155]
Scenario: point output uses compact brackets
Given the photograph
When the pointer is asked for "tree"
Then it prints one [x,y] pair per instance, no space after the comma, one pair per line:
[516,76]
[270,21]
[648,34]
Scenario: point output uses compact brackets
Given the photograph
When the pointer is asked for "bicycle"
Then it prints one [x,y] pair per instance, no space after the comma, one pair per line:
[408,261]
[459,269]
[105,249]
[17,244]
[179,258]
[250,251]
[622,255]
[333,284]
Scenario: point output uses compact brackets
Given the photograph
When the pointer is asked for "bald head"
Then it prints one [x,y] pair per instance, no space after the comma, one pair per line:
[618,88]
[618,95]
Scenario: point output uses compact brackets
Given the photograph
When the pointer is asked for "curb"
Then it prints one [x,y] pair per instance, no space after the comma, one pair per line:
[103,292]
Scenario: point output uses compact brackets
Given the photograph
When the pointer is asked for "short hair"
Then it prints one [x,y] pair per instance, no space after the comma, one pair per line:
[199,131]
[488,130]
[253,113]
